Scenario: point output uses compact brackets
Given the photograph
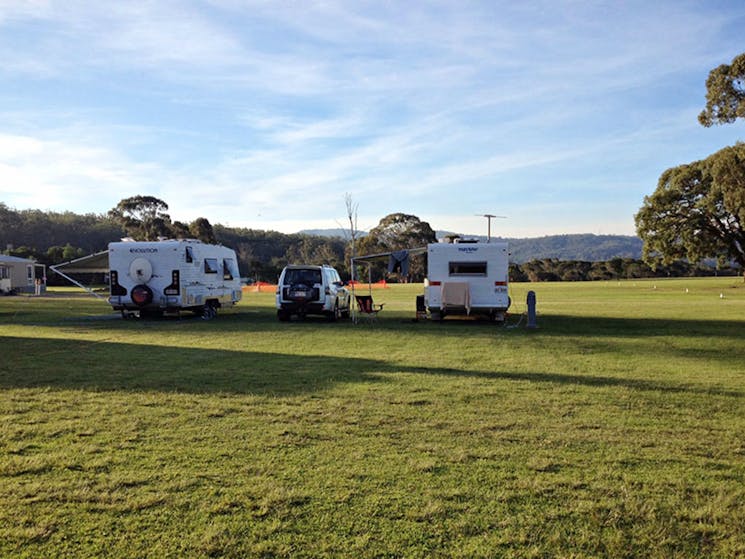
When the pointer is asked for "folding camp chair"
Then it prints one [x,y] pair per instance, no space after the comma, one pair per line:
[368,309]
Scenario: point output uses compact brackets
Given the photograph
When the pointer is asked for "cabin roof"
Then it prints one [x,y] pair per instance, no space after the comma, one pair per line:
[15,259]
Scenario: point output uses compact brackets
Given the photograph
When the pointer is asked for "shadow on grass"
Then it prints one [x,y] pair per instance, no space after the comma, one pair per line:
[561,325]
[105,366]
[248,319]
[548,325]
[264,319]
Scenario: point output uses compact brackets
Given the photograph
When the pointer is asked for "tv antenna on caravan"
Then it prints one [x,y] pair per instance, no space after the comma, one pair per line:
[489,217]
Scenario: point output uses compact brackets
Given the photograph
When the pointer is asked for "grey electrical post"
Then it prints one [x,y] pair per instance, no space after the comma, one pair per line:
[531,310]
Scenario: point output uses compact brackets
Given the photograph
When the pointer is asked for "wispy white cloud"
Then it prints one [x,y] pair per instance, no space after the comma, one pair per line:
[23,9]
[57,174]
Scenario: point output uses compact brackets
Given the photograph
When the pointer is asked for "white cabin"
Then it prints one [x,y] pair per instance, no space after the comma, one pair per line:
[153,277]
[20,275]
[465,278]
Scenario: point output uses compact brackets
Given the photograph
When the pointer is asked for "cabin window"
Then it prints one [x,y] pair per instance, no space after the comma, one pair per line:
[189,254]
[29,272]
[230,270]
[467,268]
[4,272]
[210,265]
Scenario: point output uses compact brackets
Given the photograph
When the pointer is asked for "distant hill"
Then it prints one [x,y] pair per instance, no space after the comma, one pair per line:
[588,247]
[591,248]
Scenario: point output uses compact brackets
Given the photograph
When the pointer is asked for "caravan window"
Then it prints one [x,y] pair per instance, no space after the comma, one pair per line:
[4,272]
[189,254]
[210,265]
[467,268]
[230,270]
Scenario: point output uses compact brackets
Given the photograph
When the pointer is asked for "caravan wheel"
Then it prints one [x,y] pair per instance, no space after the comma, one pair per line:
[209,312]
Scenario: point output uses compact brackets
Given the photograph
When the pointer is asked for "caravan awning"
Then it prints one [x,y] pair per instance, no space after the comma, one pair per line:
[93,263]
[411,251]
[397,259]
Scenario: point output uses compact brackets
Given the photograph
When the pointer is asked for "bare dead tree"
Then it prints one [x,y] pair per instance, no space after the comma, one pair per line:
[352,207]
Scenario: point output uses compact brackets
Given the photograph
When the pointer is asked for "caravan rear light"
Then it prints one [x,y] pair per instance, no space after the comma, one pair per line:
[500,283]
[434,283]
[141,295]
[174,288]
[114,287]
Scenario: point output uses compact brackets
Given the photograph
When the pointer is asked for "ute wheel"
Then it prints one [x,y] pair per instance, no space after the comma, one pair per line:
[346,313]
[333,316]
[283,315]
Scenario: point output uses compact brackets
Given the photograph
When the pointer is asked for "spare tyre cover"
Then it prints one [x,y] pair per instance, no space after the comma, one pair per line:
[141,270]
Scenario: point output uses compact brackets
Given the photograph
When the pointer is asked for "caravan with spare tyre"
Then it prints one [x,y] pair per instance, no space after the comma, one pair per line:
[157,277]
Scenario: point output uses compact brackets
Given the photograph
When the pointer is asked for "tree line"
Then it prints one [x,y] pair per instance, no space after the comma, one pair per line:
[52,238]
[55,237]
[553,269]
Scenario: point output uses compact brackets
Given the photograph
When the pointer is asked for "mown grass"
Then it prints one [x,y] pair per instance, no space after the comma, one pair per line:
[613,430]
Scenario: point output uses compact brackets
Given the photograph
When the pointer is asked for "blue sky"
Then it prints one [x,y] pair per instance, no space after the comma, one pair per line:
[559,115]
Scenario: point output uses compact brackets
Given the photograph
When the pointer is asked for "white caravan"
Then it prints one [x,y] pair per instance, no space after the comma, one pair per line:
[153,277]
[465,278]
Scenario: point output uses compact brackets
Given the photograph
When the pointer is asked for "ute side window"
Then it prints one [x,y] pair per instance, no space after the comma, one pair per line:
[230,270]
[210,265]
[189,254]
[467,268]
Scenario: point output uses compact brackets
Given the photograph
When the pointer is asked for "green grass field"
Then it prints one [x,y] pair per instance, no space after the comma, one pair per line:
[615,429]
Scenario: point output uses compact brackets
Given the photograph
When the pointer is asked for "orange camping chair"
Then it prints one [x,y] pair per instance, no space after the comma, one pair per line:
[367,307]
